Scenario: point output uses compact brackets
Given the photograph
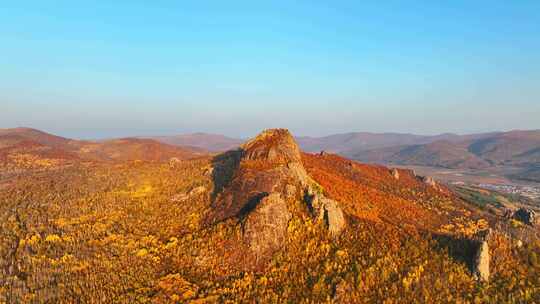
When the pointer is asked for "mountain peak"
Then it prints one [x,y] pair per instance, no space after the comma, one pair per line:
[274,145]
[266,188]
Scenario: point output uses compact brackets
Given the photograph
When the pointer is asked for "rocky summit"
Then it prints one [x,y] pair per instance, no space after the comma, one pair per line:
[268,180]
[273,145]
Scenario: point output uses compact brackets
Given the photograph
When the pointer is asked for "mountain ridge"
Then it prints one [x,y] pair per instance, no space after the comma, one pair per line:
[476,151]
[342,143]
[516,148]
[25,146]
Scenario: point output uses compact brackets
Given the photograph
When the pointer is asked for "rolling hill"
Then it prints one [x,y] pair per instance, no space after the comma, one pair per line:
[515,148]
[25,148]
[10,137]
[436,154]
[531,173]
[136,149]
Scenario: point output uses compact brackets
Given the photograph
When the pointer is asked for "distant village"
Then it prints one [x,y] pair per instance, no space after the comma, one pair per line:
[532,192]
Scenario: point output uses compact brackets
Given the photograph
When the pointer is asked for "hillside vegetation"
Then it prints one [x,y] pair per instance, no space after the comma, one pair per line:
[23,148]
[211,230]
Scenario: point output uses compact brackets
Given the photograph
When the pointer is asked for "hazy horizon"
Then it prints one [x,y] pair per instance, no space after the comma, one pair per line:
[252,134]
[103,69]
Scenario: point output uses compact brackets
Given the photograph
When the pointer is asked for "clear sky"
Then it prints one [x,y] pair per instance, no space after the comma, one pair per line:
[116,68]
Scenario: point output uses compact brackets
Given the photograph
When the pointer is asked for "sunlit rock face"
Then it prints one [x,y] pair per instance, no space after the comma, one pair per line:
[481,262]
[273,145]
[265,227]
[482,257]
[327,211]
[395,173]
[268,173]
[428,180]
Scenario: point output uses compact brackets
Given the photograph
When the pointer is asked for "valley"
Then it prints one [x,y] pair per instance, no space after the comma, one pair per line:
[496,179]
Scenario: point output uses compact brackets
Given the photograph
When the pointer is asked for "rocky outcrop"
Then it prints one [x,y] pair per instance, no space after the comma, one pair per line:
[332,216]
[326,211]
[297,171]
[265,227]
[395,173]
[290,191]
[173,161]
[526,216]
[428,180]
[273,145]
[482,256]
[193,192]
[267,174]
[481,262]
[432,183]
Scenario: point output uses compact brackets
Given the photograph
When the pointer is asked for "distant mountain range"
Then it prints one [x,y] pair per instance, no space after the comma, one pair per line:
[208,142]
[472,151]
[345,144]
[475,151]
[349,144]
[518,148]
[515,148]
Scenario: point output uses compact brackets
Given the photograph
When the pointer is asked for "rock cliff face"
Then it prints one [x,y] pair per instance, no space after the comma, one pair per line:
[481,262]
[274,145]
[431,182]
[482,257]
[265,228]
[269,174]
[326,211]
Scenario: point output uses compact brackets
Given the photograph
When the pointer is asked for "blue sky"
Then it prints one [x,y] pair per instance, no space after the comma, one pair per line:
[117,68]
